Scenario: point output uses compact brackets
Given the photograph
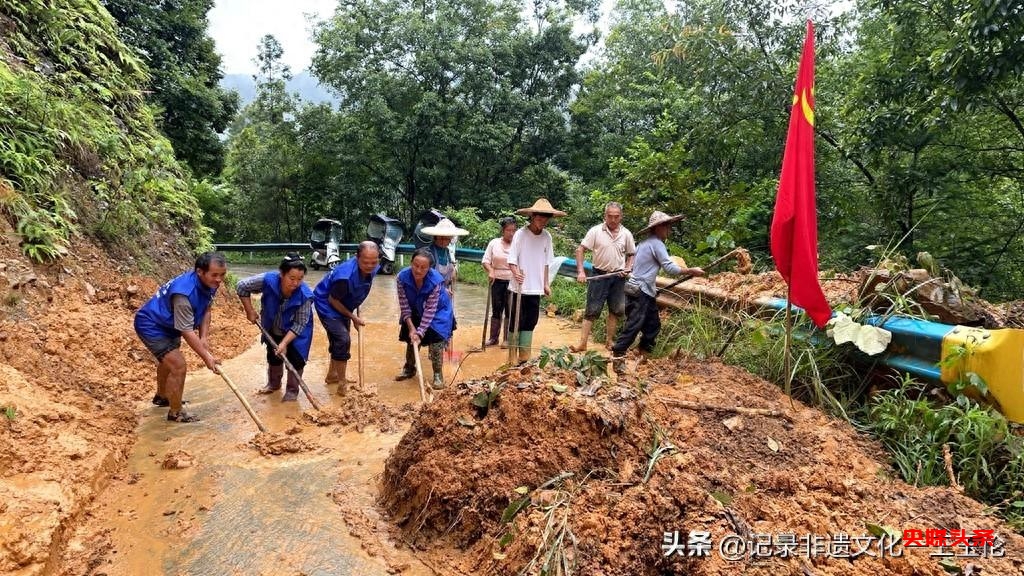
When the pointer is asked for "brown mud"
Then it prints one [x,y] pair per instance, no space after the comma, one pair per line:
[95,481]
[72,378]
[631,464]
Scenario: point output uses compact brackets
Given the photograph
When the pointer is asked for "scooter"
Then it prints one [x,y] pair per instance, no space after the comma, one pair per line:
[387,233]
[324,239]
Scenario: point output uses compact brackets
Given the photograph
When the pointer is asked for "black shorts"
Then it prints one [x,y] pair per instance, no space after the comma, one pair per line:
[160,347]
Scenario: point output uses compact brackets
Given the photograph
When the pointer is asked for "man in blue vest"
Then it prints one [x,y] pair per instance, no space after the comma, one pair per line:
[336,298]
[180,309]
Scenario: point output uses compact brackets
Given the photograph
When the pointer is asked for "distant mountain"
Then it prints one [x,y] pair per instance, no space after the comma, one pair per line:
[304,84]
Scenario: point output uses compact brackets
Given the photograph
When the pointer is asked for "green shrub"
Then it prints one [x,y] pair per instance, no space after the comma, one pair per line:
[988,459]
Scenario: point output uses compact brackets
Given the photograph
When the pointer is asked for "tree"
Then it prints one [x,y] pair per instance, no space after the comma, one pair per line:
[452,102]
[263,162]
[171,38]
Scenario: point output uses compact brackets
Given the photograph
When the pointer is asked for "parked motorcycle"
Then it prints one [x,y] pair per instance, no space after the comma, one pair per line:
[325,239]
[387,233]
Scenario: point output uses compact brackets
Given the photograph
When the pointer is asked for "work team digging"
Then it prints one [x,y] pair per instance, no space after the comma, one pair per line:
[533,433]
[562,474]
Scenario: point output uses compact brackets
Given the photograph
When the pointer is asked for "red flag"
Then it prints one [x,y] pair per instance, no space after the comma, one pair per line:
[794,237]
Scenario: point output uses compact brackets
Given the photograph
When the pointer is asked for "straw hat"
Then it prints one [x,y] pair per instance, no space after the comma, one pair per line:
[541,206]
[658,218]
[444,228]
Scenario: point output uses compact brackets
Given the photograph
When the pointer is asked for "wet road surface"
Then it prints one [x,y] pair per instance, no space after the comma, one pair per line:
[236,511]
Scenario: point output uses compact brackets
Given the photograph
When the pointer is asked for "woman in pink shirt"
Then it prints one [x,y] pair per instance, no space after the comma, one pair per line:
[495,261]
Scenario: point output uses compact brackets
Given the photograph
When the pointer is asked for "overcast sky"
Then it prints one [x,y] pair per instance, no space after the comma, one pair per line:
[236,26]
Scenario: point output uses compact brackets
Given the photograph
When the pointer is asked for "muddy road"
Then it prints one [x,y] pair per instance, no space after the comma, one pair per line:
[204,498]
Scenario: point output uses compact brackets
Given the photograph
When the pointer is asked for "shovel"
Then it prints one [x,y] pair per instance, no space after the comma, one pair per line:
[603,276]
[245,403]
[419,374]
[734,253]
[302,383]
[513,346]
[487,316]
[359,343]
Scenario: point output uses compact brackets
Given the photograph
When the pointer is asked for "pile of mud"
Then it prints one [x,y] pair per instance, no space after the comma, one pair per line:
[552,478]
[72,374]
[275,444]
[359,409]
[864,288]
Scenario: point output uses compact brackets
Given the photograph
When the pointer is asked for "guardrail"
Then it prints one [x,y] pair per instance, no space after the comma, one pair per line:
[919,346]
[568,267]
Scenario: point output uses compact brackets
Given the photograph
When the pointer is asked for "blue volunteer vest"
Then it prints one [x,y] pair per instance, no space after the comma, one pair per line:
[358,288]
[156,318]
[417,299]
[271,303]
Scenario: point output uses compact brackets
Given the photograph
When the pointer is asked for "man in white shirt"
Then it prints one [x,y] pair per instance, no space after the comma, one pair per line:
[614,249]
[528,259]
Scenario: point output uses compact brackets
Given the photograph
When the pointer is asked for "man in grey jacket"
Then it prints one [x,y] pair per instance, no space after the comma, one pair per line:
[641,291]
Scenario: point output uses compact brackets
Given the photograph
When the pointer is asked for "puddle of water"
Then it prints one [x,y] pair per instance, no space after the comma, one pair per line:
[238,512]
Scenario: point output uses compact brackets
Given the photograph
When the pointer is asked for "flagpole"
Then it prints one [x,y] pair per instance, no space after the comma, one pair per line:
[788,348]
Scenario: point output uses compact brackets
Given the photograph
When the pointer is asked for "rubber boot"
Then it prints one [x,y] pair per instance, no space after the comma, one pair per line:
[525,343]
[409,370]
[291,391]
[495,331]
[274,374]
[437,364]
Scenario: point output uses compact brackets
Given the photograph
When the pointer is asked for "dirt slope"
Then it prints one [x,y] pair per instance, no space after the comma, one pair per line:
[452,477]
[72,375]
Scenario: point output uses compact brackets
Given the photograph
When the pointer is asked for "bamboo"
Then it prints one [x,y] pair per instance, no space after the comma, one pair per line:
[245,403]
[735,409]
[513,347]
[419,374]
[302,383]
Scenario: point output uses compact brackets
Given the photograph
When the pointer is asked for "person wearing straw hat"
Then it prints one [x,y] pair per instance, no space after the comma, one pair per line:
[440,252]
[613,248]
[528,259]
[286,313]
[426,314]
[641,291]
[336,298]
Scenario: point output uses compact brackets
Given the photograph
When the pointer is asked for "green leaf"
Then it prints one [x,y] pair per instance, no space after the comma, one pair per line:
[879,530]
[724,497]
[515,507]
[978,382]
[481,399]
[950,566]
[506,539]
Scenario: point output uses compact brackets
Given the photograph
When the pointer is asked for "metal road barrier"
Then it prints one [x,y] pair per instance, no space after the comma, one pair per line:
[568,267]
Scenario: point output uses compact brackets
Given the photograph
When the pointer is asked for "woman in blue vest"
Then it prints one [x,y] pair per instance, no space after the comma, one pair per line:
[287,314]
[427,317]
[337,296]
[180,309]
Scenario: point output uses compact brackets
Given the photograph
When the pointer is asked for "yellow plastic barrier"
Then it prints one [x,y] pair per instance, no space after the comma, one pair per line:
[995,355]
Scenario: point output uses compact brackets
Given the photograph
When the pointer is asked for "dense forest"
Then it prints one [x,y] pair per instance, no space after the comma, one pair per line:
[485,105]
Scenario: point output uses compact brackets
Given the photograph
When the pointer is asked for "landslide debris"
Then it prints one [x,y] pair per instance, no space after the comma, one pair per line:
[554,475]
